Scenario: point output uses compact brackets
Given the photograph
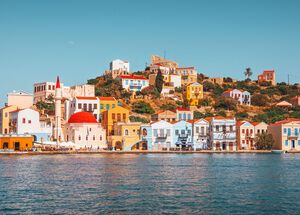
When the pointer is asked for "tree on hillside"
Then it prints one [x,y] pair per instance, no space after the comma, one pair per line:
[142,107]
[168,106]
[226,103]
[264,141]
[259,100]
[248,73]
[159,81]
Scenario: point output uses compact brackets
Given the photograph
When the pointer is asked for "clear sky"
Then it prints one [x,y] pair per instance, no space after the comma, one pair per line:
[77,39]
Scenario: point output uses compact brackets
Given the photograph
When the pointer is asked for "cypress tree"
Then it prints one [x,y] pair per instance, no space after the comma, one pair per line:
[159,81]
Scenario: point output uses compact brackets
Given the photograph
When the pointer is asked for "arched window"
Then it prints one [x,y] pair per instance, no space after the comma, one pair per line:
[94,137]
[126,132]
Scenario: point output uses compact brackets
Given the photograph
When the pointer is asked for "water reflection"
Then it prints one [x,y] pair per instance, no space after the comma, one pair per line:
[150,184]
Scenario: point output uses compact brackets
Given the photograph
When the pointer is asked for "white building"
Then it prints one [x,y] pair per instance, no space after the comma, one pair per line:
[27,121]
[45,89]
[81,103]
[200,133]
[119,65]
[162,135]
[134,82]
[83,130]
[222,133]
[243,97]
[20,99]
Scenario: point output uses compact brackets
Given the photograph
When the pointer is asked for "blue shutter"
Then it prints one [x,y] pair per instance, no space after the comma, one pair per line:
[286,143]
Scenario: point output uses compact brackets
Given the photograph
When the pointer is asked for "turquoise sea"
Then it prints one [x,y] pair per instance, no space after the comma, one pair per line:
[150,184]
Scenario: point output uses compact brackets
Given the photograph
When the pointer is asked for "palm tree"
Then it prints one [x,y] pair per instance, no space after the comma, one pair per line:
[248,73]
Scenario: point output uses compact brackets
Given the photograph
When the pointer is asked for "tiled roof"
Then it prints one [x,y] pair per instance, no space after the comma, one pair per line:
[86,98]
[135,77]
[183,68]
[106,98]
[288,120]
[182,109]
[284,104]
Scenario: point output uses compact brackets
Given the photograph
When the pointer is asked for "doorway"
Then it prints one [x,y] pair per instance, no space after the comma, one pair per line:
[17,146]
[293,144]
[224,146]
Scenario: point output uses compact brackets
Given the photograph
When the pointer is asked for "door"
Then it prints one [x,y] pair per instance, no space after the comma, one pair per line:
[17,146]
[224,146]
[293,144]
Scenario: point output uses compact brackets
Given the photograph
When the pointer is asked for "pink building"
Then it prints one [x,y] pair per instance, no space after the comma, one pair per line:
[267,76]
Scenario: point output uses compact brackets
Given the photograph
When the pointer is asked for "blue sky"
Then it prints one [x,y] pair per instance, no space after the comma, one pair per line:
[78,39]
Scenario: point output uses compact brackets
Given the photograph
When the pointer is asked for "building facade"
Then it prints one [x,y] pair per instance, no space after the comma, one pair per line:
[166,115]
[181,134]
[134,82]
[80,103]
[267,76]
[114,115]
[194,92]
[126,136]
[119,65]
[13,142]
[222,133]
[200,134]
[243,97]
[286,134]
[84,130]
[20,99]
[4,118]
[188,75]
[162,135]
[27,121]
[107,103]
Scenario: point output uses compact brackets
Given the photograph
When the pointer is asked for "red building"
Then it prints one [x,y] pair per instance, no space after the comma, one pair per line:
[267,76]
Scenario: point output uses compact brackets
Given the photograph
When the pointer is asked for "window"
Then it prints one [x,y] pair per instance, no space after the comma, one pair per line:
[189,132]
[126,132]
[95,106]
[119,117]
[85,107]
[6,115]
[286,143]
[189,116]
[79,106]
[126,82]
[197,130]
[230,128]
[100,137]
[180,116]
[107,106]
[168,132]
[79,137]
[217,128]
[90,129]
[90,107]
[29,121]
[23,120]
[124,116]
[101,106]
[113,116]
[94,137]
[243,131]
[176,132]
[298,142]
[113,105]
[87,138]
[155,132]
[5,131]
[258,131]
[284,130]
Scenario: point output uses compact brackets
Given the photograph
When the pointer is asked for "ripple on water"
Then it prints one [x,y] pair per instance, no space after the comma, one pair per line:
[150,184]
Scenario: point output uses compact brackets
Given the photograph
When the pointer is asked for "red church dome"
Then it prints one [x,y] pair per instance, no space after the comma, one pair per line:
[82,117]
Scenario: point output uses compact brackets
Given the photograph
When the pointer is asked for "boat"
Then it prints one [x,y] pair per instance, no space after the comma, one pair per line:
[278,151]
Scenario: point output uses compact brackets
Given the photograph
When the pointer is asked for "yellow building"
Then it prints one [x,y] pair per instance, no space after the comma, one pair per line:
[107,103]
[194,92]
[126,136]
[114,115]
[16,142]
[4,118]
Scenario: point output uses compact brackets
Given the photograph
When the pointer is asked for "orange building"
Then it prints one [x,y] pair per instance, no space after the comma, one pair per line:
[16,142]
[267,76]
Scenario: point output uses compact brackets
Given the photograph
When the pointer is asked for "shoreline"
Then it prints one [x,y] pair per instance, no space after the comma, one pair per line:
[144,152]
